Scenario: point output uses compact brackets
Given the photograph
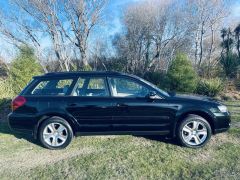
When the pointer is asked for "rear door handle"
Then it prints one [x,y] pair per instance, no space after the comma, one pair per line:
[121,105]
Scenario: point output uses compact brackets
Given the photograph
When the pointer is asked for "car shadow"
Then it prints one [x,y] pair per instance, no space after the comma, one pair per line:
[172,141]
[4,129]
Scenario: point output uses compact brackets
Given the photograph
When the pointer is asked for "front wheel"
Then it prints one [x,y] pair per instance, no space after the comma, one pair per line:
[194,131]
[55,133]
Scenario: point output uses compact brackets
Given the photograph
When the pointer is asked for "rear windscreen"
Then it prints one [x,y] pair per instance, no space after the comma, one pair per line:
[52,87]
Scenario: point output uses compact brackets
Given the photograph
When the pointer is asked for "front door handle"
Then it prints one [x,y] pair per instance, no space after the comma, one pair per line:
[72,104]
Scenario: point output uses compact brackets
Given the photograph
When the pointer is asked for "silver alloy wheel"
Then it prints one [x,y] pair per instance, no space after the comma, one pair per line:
[194,133]
[55,134]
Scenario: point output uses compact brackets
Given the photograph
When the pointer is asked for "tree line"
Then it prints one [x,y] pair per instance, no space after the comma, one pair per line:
[157,39]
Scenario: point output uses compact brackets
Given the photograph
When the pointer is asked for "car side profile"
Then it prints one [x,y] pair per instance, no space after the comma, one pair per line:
[55,107]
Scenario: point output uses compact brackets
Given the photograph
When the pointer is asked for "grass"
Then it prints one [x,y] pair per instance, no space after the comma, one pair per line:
[121,157]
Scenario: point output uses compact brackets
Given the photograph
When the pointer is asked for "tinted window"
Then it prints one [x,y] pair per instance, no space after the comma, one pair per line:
[52,87]
[91,87]
[122,87]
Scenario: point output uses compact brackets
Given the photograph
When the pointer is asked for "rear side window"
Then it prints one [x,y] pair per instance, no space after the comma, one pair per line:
[91,86]
[52,87]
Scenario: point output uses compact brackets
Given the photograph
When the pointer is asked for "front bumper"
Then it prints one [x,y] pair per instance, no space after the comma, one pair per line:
[222,122]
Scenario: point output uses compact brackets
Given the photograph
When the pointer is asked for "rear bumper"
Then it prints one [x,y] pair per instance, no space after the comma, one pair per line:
[20,124]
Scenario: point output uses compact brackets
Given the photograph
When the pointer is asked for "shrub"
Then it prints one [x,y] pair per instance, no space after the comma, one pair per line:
[181,75]
[6,90]
[237,83]
[3,69]
[230,64]
[157,78]
[23,68]
[209,87]
[86,68]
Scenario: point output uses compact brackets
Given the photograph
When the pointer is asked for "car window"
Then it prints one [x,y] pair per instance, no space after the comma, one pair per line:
[123,87]
[88,86]
[52,87]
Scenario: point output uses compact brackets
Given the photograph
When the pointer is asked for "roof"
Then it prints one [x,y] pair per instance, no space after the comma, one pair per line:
[78,73]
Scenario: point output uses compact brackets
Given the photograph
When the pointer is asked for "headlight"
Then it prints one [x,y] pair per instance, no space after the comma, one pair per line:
[223,108]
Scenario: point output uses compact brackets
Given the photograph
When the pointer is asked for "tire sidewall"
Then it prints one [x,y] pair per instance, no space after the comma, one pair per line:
[189,119]
[60,121]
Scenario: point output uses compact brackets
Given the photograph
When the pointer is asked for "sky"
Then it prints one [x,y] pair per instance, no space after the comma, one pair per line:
[112,17]
[112,25]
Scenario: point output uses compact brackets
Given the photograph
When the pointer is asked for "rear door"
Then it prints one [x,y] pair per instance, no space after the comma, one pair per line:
[91,104]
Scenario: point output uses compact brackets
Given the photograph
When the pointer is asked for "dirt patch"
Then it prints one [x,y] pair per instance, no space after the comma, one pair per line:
[207,154]
[30,159]
[230,95]
[222,138]
[236,124]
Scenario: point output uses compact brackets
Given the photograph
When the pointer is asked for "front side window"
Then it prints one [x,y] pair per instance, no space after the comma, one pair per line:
[52,87]
[91,86]
[122,87]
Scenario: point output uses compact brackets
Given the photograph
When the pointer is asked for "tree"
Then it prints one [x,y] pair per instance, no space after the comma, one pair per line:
[155,30]
[237,36]
[181,75]
[23,68]
[66,23]
[229,60]
[230,64]
[206,16]
[83,15]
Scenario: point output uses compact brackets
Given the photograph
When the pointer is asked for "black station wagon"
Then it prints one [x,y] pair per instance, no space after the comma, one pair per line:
[57,106]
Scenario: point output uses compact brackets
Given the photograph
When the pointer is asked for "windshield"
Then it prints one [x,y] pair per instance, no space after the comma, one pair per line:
[155,87]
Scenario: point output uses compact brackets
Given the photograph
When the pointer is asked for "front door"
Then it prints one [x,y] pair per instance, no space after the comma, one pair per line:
[134,112]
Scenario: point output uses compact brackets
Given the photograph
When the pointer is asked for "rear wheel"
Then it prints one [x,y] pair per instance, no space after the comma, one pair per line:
[194,131]
[55,133]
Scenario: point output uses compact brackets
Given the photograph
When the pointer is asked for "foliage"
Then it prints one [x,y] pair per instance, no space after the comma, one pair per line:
[116,64]
[23,68]
[3,69]
[6,90]
[209,87]
[230,63]
[181,75]
[86,68]
[157,78]
[237,83]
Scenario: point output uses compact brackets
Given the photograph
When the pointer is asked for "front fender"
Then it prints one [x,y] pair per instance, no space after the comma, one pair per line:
[181,114]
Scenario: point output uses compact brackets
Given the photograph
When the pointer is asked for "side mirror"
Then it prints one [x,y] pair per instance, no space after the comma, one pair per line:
[153,95]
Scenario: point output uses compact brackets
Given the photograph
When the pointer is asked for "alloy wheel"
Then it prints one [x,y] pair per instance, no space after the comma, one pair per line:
[194,133]
[55,134]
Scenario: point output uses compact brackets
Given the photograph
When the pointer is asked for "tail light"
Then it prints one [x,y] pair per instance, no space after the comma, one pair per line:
[18,102]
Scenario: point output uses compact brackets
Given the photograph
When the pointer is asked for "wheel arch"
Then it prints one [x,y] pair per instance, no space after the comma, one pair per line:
[204,114]
[49,115]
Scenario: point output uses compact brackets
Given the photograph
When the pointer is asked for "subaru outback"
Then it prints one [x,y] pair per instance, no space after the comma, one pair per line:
[55,107]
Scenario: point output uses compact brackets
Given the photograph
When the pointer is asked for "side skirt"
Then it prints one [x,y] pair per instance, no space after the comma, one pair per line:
[123,133]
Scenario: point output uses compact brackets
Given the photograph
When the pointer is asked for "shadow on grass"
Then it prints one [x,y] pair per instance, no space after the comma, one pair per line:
[4,129]
[164,139]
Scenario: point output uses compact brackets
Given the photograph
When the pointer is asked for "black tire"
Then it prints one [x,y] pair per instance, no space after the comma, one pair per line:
[68,131]
[187,121]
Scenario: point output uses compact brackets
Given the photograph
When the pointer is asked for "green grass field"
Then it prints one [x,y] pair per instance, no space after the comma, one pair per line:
[122,157]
